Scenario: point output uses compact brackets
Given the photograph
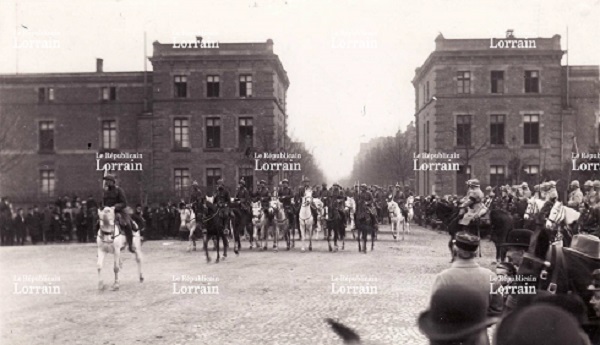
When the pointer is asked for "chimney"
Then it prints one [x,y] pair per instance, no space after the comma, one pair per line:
[99,67]
[510,33]
[199,39]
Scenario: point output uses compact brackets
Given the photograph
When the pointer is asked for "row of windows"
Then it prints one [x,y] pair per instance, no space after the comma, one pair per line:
[181,133]
[498,173]
[531,83]
[213,86]
[182,179]
[46,94]
[531,129]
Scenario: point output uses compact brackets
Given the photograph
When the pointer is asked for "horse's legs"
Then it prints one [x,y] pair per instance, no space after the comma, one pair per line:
[373,239]
[328,233]
[310,236]
[138,256]
[205,239]
[116,268]
[276,236]
[190,240]
[403,228]
[237,228]
[219,236]
[101,255]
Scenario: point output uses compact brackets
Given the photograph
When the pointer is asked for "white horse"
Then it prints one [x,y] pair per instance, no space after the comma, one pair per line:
[562,216]
[256,215]
[305,218]
[111,239]
[282,223]
[397,219]
[350,211]
[188,223]
[321,213]
[267,222]
[410,203]
[534,206]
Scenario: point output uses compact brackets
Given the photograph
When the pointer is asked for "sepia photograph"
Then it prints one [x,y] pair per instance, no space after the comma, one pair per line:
[300,172]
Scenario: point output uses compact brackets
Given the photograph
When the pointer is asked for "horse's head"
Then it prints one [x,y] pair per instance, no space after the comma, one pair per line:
[210,199]
[531,208]
[107,215]
[557,215]
[392,205]
[307,199]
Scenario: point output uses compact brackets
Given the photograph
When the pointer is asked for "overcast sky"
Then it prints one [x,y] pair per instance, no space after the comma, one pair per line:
[331,84]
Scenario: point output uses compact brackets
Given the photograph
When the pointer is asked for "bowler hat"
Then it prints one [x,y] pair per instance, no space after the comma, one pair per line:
[109,177]
[595,283]
[466,241]
[539,324]
[585,244]
[518,238]
[456,312]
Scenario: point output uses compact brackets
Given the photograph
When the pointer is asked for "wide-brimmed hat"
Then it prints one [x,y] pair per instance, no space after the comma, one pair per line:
[473,182]
[595,283]
[587,245]
[545,324]
[466,241]
[455,312]
[110,177]
[518,238]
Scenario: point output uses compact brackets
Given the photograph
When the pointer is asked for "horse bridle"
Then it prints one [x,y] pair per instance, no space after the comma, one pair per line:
[560,215]
[534,209]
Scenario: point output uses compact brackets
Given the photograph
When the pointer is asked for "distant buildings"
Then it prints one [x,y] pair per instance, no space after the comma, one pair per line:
[508,107]
[199,115]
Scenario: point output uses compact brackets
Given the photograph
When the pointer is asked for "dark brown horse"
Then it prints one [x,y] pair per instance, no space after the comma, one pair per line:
[213,226]
[365,225]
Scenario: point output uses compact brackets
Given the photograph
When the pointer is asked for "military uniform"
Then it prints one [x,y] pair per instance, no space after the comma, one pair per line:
[576,196]
[114,196]
[196,198]
[285,196]
[473,202]
[365,203]
[222,200]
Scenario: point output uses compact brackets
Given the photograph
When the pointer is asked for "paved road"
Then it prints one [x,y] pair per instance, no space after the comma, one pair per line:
[260,297]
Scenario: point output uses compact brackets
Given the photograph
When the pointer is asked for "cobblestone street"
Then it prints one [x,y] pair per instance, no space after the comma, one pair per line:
[263,297]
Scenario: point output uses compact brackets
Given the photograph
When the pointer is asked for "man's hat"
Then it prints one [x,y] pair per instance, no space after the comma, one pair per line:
[242,181]
[306,179]
[455,313]
[220,181]
[398,185]
[552,184]
[518,238]
[588,183]
[285,181]
[474,182]
[545,186]
[524,184]
[364,185]
[466,241]
[575,183]
[585,244]
[263,182]
[195,183]
[595,284]
[110,177]
[536,187]
[538,324]
[488,188]
[336,185]
[596,184]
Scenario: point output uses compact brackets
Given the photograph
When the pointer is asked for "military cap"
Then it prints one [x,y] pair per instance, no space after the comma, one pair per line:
[109,177]
[285,181]
[466,241]
[195,183]
[545,186]
[306,179]
[524,185]
[488,188]
[364,185]
[474,182]
[588,183]
[220,181]
[536,187]
[398,185]
[552,184]
[575,183]
[336,185]
[263,182]
[242,181]
[596,184]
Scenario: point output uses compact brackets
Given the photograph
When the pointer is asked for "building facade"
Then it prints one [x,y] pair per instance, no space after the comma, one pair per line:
[507,108]
[201,114]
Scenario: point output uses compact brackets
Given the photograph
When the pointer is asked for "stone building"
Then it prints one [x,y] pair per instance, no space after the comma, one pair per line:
[507,107]
[199,115]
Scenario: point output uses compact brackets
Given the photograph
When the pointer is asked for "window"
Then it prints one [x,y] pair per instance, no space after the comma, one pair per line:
[497,81]
[496,175]
[212,176]
[47,182]
[532,82]
[463,82]
[497,129]
[531,129]
[248,175]
[181,86]
[109,93]
[213,132]
[46,136]
[246,132]
[212,86]
[427,136]
[182,181]
[463,130]
[109,134]
[181,132]
[45,94]
[245,86]
[427,98]
[532,169]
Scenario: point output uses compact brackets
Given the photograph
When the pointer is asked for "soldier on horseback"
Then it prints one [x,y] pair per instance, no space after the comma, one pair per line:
[366,202]
[398,196]
[298,200]
[285,196]
[196,198]
[222,200]
[472,207]
[525,192]
[114,196]
[243,197]
[337,199]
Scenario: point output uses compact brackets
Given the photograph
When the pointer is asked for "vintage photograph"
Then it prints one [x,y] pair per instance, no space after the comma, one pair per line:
[300,172]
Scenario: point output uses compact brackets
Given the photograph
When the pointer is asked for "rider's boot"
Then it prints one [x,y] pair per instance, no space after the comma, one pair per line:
[129,236]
